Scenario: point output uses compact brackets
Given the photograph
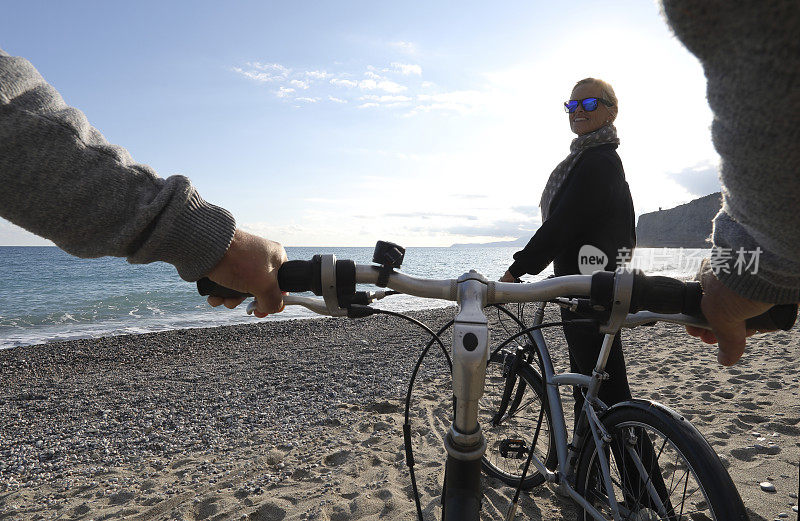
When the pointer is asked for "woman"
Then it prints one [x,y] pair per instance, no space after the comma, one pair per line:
[586,205]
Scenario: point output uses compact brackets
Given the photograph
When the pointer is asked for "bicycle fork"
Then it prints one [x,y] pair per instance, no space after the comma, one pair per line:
[465,442]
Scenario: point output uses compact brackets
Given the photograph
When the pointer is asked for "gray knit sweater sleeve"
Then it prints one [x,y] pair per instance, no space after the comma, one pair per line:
[750,51]
[63,181]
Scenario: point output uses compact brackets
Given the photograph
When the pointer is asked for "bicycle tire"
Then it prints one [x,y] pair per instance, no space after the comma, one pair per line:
[693,483]
[509,440]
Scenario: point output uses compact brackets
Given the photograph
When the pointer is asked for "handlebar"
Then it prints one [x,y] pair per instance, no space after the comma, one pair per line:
[669,296]
[336,280]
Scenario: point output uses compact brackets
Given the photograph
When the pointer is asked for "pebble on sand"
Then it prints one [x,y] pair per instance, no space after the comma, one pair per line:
[766,486]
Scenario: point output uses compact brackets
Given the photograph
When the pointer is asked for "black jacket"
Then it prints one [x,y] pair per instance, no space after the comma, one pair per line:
[592,207]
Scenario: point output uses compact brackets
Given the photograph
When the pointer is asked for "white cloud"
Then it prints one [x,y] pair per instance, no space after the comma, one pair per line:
[264,72]
[385,99]
[405,47]
[257,76]
[275,68]
[455,101]
[299,84]
[344,83]
[384,85]
[317,75]
[407,69]
[397,86]
[368,84]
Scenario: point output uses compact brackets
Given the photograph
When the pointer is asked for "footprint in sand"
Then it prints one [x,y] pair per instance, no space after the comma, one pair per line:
[337,458]
[782,428]
[749,453]
[383,407]
[301,474]
[750,376]
[372,440]
[268,512]
[752,418]
[122,497]
[206,508]
[80,510]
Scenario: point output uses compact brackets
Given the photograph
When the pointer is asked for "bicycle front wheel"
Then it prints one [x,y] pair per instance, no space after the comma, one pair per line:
[661,468]
[509,425]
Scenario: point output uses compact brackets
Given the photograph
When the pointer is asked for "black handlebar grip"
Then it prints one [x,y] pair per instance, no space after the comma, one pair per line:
[209,288]
[660,295]
[297,276]
[294,276]
[667,295]
[782,316]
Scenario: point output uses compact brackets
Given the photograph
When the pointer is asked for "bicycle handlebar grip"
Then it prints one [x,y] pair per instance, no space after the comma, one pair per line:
[667,295]
[782,316]
[297,276]
[208,288]
[294,276]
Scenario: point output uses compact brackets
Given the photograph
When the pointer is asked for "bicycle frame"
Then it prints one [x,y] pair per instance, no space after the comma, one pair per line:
[588,423]
[465,442]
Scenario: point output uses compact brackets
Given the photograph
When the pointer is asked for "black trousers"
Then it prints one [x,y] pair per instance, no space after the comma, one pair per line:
[584,346]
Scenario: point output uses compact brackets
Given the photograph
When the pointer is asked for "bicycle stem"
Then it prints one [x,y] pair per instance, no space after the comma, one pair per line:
[465,442]
[470,351]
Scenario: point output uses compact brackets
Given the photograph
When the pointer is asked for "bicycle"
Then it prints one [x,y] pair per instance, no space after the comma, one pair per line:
[606,438]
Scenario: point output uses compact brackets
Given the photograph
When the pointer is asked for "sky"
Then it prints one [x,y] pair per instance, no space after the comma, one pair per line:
[342,123]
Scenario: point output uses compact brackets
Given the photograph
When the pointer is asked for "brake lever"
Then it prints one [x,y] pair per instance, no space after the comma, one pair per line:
[317,305]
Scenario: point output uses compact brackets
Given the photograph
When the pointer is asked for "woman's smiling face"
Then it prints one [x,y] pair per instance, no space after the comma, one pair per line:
[581,121]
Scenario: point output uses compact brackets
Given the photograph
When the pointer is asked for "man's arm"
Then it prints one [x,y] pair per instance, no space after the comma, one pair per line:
[750,53]
[63,181]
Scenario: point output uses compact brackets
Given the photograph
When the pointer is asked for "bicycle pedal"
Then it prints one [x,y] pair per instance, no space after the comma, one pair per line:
[514,449]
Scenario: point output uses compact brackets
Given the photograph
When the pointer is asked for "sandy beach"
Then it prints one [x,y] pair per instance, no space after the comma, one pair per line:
[302,420]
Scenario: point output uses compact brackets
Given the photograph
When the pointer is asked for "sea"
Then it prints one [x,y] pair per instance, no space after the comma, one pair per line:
[47,295]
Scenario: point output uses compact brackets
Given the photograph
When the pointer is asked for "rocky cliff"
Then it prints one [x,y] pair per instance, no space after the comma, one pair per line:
[687,225]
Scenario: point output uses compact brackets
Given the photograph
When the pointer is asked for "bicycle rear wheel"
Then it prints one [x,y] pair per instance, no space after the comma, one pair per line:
[684,471]
[509,429]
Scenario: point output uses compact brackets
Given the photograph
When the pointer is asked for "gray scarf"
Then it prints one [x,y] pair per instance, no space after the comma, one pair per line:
[602,136]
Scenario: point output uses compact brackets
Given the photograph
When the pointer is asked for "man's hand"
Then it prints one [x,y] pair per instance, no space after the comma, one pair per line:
[251,266]
[726,312]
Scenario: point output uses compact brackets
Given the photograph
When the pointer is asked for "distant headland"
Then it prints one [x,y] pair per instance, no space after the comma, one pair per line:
[684,226]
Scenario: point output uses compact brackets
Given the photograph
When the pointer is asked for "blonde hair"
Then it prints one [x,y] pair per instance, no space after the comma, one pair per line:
[605,88]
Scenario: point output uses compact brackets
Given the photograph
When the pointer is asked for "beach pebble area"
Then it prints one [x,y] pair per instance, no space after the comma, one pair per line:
[302,420]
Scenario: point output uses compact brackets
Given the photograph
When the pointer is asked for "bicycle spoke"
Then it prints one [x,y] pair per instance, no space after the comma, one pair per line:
[685,486]
[675,483]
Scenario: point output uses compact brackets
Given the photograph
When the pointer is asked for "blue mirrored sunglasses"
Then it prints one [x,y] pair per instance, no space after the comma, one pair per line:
[589,104]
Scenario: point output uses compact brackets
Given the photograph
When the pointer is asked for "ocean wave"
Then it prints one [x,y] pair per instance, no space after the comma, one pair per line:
[111,297]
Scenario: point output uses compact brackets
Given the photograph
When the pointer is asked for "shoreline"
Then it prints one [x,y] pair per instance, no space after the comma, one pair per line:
[150,326]
[301,419]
